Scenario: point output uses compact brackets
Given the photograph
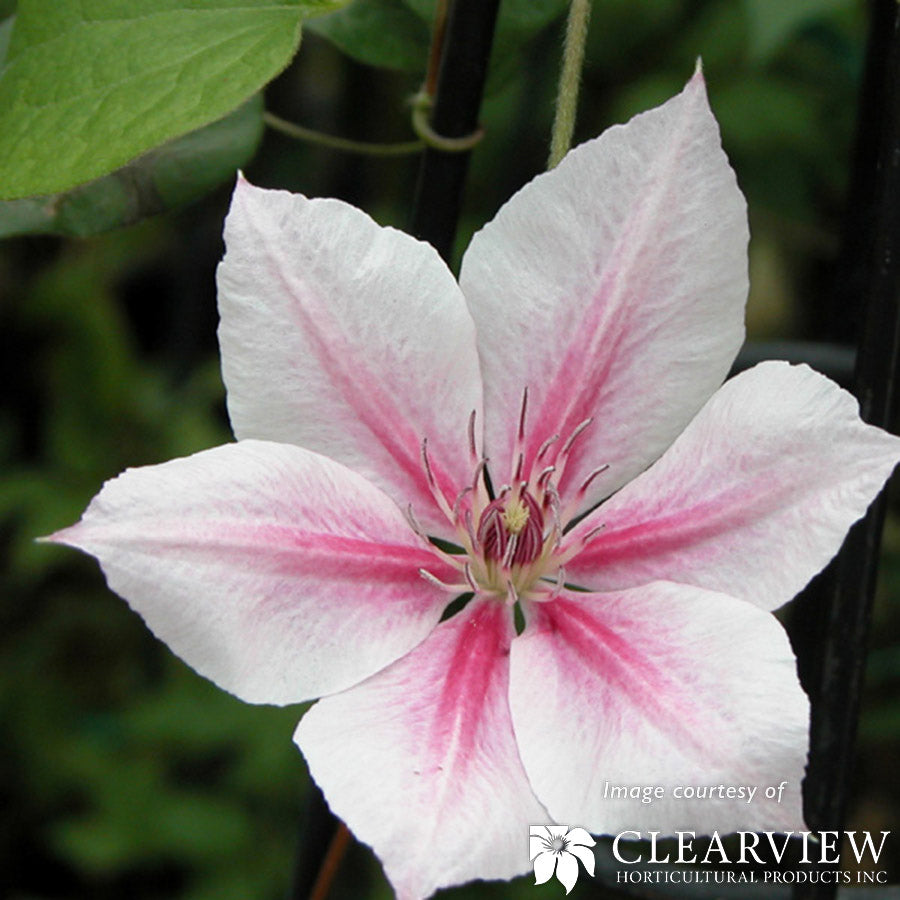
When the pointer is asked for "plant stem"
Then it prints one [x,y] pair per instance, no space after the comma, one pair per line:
[336,850]
[298,132]
[569,80]
[466,39]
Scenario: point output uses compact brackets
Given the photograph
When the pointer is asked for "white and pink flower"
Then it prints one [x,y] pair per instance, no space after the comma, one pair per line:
[556,850]
[548,435]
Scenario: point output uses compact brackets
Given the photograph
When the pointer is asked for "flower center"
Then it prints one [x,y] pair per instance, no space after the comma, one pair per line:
[558,845]
[511,541]
[511,529]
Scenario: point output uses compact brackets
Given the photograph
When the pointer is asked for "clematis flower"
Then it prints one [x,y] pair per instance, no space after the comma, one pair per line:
[556,849]
[549,438]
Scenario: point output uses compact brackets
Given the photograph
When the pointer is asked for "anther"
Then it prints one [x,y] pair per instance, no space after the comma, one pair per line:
[545,447]
[598,471]
[578,430]
[436,492]
[473,449]
[414,522]
[450,588]
[458,503]
[579,545]
[479,471]
[522,411]
[427,465]
[520,463]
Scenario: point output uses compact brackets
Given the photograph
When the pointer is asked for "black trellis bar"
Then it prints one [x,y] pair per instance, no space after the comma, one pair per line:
[467,41]
[872,261]
[464,63]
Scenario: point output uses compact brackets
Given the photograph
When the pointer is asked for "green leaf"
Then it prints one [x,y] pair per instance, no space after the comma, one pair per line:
[382,33]
[88,85]
[169,176]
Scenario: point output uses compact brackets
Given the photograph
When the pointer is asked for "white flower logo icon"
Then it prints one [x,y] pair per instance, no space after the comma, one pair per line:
[556,848]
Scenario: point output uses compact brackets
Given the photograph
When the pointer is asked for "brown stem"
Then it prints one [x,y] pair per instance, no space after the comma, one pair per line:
[330,864]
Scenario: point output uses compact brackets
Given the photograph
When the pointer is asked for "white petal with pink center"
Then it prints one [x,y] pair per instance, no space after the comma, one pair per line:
[347,338]
[613,287]
[659,685]
[753,499]
[261,563]
[420,760]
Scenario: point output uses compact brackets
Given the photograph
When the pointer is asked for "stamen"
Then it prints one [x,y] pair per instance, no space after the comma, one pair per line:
[512,593]
[576,500]
[578,430]
[579,545]
[544,478]
[510,551]
[517,454]
[470,529]
[545,447]
[563,456]
[471,578]
[546,596]
[592,534]
[414,522]
[450,588]
[520,462]
[521,433]
[560,583]
[473,450]
[458,503]
[436,492]
[598,471]
[426,463]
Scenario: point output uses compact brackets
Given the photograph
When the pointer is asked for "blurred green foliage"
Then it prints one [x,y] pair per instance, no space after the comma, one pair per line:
[127,776]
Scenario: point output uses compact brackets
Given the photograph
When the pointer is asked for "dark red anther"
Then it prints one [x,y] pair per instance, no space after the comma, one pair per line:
[510,517]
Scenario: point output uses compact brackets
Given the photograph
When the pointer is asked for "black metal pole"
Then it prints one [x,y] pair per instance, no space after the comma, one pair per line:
[464,63]
[836,687]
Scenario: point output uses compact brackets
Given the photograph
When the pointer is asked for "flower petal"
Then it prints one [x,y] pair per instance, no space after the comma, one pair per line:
[660,685]
[752,500]
[262,564]
[536,843]
[613,287]
[421,763]
[567,871]
[349,339]
[578,836]
[585,854]
[544,867]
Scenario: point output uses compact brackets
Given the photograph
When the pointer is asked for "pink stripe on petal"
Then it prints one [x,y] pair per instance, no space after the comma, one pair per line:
[349,339]
[637,670]
[659,686]
[277,573]
[613,287]
[753,499]
[421,763]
